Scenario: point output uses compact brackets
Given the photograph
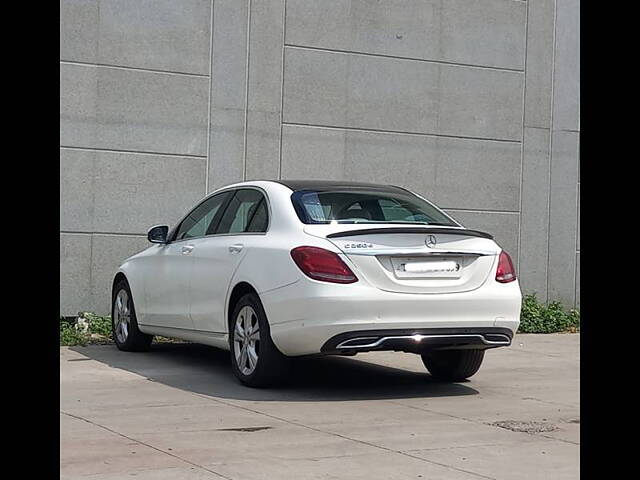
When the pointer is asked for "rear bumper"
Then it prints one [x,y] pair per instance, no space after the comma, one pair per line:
[310,317]
[418,340]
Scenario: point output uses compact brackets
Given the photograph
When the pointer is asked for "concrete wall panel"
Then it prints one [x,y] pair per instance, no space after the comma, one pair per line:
[144,190]
[264,101]
[79,30]
[566,84]
[115,109]
[578,280]
[357,91]
[534,229]
[436,167]
[539,69]
[75,273]
[488,33]
[107,253]
[228,93]
[151,34]
[563,217]
[78,105]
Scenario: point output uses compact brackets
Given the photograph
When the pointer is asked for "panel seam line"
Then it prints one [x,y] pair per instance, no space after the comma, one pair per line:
[398,57]
[400,132]
[135,69]
[136,152]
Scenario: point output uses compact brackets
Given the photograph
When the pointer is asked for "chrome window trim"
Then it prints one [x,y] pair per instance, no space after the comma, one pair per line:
[217,192]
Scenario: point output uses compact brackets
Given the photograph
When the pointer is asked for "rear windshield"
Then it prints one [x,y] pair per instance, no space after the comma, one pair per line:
[362,206]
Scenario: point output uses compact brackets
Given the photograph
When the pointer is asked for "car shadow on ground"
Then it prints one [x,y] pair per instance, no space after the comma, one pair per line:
[206,370]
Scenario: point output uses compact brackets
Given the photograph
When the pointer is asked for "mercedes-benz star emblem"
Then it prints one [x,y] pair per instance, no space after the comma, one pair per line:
[430,241]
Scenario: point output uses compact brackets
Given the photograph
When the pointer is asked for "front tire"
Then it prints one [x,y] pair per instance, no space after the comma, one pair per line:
[453,365]
[124,324]
[255,359]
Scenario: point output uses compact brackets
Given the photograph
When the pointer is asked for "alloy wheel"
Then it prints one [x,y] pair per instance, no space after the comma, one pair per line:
[246,340]
[122,316]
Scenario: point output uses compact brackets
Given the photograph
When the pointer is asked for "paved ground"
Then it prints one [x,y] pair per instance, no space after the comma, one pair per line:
[178,413]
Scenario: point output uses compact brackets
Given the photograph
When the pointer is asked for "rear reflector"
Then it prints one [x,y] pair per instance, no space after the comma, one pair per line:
[505,273]
[323,265]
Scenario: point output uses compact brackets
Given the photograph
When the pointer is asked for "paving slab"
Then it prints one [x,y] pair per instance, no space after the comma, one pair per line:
[536,460]
[174,473]
[379,466]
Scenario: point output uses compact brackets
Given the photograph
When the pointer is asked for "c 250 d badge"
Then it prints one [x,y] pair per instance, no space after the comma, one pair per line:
[358,245]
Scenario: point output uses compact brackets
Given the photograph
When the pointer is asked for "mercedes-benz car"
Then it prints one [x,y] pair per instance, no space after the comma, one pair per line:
[272,270]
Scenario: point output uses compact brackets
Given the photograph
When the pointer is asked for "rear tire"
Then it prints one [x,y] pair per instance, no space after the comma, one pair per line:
[453,365]
[124,324]
[255,359]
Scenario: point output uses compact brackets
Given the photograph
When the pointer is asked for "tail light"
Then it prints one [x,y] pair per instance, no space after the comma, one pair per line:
[323,265]
[505,273]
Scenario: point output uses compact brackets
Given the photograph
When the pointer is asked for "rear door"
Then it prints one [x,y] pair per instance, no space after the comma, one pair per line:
[415,259]
[216,257]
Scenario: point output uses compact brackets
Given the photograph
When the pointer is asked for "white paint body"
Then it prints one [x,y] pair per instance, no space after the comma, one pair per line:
[187,295]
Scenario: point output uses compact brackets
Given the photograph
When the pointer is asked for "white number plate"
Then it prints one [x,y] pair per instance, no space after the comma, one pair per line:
[411,268]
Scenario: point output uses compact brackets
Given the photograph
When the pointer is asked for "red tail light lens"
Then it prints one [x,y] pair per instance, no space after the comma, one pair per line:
[505,273]
[323,265]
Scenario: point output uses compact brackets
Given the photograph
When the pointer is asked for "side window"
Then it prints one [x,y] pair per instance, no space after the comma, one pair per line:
[200,221]
[247,212]
[395,211]
[356,210]
[259,219]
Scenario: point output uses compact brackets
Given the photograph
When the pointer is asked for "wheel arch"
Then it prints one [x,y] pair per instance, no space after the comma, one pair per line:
[136,293]
[118,278]
[237,292]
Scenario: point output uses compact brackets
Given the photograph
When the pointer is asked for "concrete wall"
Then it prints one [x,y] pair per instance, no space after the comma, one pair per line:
[473,103]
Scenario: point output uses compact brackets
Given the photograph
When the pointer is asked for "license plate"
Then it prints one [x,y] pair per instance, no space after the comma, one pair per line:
[413,268]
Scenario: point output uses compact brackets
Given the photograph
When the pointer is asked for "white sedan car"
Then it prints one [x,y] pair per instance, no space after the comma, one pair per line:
[277,269]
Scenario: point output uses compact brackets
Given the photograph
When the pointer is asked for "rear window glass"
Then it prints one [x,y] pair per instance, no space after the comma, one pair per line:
[362,206]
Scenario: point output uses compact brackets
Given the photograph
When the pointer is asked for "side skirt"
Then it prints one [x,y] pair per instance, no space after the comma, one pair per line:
[214,339]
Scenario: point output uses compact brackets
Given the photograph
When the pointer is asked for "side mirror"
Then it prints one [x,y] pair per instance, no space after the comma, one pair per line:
[158,234]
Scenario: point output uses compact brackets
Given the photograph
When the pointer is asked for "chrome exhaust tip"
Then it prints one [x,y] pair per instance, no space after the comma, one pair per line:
[412,341]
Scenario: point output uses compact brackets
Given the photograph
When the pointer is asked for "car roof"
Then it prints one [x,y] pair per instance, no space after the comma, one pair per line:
[324,185]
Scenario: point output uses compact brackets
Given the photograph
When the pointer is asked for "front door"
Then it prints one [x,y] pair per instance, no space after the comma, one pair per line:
[169,272]
[166,287]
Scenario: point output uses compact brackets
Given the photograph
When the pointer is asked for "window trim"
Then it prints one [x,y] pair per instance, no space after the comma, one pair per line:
[221,212]
[216,218]
[304,218]
[255,212]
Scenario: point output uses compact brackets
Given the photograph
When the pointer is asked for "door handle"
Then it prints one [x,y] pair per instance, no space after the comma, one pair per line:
[187,249]
[237,248]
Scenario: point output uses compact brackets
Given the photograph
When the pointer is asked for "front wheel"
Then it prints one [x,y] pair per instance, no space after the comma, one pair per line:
[453,365]
[124,324]
[255,359]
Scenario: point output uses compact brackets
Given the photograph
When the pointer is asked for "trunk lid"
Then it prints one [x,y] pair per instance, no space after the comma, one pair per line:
[414,259]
